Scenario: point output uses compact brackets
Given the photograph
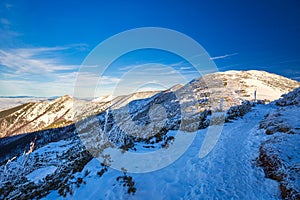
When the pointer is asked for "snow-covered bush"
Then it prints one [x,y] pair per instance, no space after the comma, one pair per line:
[292,98]
[279,157]
[127,181]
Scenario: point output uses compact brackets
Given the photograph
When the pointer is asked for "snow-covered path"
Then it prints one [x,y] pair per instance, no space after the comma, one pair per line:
[230,170]
[227,172]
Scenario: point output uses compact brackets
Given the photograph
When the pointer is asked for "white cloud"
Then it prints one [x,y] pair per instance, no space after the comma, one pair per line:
[36,71]
[62,84]
[164,69]
[146,66]
[138,77]
[34,88]
[223,56]
[296,78]
[87,79]
[30,60]
[150,76]
[40,72]
[126,68]
[186,68]
[88,84]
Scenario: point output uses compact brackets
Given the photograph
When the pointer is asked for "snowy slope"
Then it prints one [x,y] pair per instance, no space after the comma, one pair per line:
[279,155]
[103,99]
[184,107]
[267,85]
[60,112]
[228,172]
[205,92]
[36,116]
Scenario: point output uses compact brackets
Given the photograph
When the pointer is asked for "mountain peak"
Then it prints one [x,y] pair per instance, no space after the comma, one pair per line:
[233,86]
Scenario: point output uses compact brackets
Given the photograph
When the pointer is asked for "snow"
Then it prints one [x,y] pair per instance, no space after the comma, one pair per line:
[280,152]
[290,118]
[285,149]
[240,85]
[263,91]
[40,173]
[54,148]
[103,99]
[229,171]
[222,165]
[267,85]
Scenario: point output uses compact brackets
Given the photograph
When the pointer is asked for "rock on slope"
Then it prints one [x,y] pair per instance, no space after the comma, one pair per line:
[279,155]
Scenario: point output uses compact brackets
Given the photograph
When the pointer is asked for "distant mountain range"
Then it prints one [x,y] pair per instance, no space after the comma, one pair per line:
[20,97]
[29,97]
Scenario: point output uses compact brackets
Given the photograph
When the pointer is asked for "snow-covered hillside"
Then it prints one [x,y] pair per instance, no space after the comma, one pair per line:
[60,112]
[228,172]
[67,170]
[233,86]
[184,107]
[36,116]
[72,162]
[279,155]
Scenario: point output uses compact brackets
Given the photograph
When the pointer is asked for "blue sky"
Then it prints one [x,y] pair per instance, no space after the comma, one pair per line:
[43,43]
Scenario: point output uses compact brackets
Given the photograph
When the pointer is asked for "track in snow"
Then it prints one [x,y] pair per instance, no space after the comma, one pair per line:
[229,171]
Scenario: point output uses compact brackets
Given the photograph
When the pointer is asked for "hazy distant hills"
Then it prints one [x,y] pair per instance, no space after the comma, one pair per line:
[7,102]
[205,92]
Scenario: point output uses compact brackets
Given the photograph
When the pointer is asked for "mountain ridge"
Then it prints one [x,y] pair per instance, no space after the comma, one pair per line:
[67,162]
[67,170]
[236,86]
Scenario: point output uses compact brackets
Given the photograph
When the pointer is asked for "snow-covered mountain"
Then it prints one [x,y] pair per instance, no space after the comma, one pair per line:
[70,162]
[103,98]
[233,86]
[35,116]
[60,112]
[184,107]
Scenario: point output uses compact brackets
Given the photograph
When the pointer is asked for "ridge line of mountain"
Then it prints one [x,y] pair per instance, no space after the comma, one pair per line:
[206,91]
